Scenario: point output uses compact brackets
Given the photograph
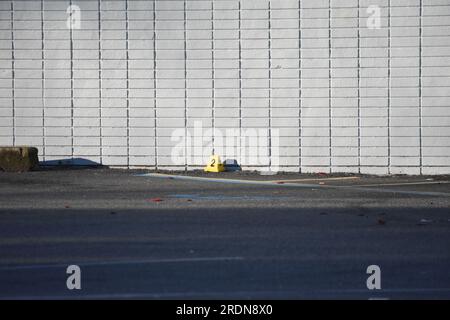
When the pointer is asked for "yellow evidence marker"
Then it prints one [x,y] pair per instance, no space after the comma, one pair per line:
[214,165]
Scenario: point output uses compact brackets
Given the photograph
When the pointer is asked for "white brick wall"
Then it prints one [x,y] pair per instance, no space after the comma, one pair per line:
[343,97]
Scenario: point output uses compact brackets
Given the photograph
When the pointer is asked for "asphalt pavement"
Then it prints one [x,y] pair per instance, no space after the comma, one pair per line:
[239,235]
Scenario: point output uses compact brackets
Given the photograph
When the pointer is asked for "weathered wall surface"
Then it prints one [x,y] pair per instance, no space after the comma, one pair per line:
[336,91]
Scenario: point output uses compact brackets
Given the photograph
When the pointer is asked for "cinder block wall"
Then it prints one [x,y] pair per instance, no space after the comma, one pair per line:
[343,97]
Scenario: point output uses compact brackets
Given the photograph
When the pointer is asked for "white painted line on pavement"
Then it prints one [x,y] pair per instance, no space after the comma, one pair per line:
[294,185]
[400,183]
[119,263]
[315,179]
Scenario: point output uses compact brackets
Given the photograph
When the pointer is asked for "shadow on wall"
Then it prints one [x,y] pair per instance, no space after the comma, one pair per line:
[71,162]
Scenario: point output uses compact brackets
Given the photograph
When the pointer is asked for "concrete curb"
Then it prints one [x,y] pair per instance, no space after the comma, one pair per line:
[18,159]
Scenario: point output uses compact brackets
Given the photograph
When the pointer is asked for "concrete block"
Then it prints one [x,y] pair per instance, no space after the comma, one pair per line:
[18,159]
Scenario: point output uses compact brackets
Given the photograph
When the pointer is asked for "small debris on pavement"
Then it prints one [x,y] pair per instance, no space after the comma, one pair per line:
[381,222]
[67,206]
[321,182]
[112,212]
[156,200]
[425,221]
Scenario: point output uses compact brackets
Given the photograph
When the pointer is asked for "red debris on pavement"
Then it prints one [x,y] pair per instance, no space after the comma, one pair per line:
[156,199]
